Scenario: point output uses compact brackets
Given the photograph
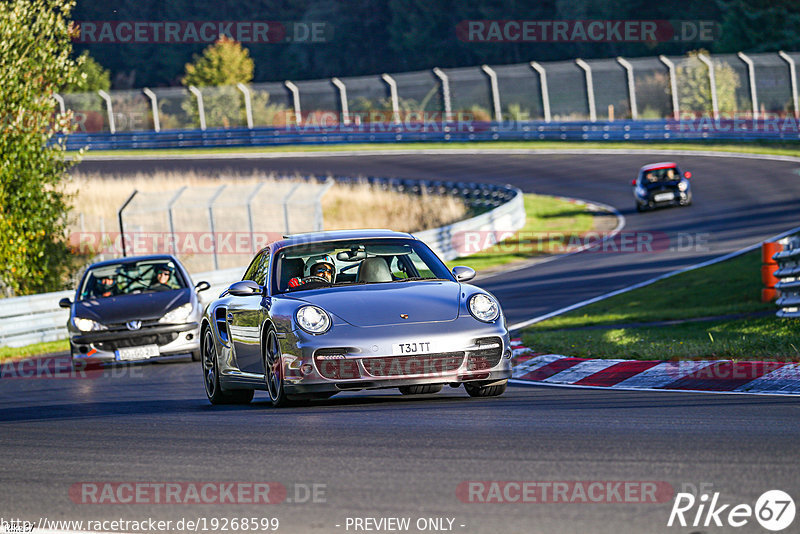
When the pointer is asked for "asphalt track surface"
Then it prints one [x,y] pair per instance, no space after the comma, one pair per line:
[382,455]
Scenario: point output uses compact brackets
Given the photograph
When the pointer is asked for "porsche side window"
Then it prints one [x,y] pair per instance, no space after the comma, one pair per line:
[260,274]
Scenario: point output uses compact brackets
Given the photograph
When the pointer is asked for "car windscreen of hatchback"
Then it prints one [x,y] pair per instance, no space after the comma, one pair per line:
[131,278]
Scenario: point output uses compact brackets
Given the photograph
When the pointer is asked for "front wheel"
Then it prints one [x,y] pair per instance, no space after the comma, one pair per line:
[273,369]
[493,390]
[214,391]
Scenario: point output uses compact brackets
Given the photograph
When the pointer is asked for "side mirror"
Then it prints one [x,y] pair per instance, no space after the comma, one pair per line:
[463,274]
[202,286]
[245,288]
[687,175]
[64,303]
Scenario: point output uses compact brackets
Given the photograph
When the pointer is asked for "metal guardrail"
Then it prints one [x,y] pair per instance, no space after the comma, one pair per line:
[37,318]
[788,274]
[702,129]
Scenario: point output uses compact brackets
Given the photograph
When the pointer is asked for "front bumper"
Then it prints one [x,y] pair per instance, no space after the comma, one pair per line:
[105,345]
[351,358]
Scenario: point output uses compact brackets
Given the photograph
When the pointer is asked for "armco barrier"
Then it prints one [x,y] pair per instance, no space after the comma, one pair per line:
[37,318]
[690,129]
[789,275]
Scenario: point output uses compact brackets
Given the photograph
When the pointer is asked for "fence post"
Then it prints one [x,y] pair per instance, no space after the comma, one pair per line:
[498,114]
[105,96]
[169,216]
[631,86]
[211,223]
[448,111]
[589,88]
[793,75]
[154,105]
[201,110]
[318,223]
[712,81]
[545,93]
[342,99]
[248,105]
[393,95]
[286,207]
[62,108]
[673,86]
[295,101]
[119,218]
[250,198]
[751,74]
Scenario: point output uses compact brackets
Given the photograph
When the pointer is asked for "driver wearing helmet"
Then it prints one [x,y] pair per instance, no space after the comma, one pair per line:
[319,267]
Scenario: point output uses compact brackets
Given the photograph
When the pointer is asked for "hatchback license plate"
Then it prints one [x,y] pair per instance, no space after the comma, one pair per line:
[662,197]
[137,353]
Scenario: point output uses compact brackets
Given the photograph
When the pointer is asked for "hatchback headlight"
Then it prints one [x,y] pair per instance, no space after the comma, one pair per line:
[483,307]
[87,325]
[178,315]
[313,319]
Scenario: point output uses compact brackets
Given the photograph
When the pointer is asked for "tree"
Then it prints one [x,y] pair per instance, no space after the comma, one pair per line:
[694,88]
[222,65]
[35,60]
[91,76]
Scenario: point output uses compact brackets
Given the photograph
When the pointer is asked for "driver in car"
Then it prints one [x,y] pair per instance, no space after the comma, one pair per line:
[321,267]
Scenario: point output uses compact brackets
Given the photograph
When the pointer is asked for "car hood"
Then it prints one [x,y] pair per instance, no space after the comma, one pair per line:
[123,308]
[383,304]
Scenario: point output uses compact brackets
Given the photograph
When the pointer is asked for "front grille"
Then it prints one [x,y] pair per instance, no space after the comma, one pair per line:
[137,341]
[485,358]
[337,369]
[422,364]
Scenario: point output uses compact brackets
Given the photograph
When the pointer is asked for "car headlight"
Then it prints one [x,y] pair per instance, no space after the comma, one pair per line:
[178,315]
[483,307]
[683,186]
[87,325]
[313,320]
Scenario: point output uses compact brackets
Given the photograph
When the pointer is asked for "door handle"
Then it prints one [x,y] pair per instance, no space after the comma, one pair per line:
[230,317]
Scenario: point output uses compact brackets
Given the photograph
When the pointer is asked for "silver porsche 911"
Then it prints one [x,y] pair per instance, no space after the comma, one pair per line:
[316,314]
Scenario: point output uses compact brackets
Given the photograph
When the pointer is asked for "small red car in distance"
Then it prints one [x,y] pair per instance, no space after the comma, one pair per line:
[661,184]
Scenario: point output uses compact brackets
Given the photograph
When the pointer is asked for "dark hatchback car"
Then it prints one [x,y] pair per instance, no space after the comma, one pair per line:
[135,308]
[661,184]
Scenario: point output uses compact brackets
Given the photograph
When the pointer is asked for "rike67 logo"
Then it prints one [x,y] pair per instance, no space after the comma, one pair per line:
[774,510]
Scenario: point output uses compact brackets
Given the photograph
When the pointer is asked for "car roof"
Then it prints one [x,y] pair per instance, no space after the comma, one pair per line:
[661,165]
[134,259]
[338,235]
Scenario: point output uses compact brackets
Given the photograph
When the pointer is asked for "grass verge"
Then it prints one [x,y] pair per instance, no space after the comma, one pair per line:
[727,288]
[547,219]
[783,149]
[36,349]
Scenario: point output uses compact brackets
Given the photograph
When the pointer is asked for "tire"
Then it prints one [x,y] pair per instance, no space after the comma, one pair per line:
[424,389]
[476,390]
[273,370]
[214,392]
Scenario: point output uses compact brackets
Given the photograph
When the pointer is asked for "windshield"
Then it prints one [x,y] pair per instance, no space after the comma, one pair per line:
[669,174]
[112,280]
[362,261]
